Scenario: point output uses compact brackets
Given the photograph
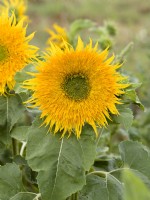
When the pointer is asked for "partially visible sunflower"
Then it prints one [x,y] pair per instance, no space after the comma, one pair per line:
[76,86]
[18,7]
[58,36]
[15,52]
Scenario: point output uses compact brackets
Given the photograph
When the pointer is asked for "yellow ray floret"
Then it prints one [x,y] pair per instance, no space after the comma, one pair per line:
[58,36]
[19,7]
[15,52]
[76,86]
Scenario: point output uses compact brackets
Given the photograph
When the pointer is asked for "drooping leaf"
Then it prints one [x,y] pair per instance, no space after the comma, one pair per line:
[10,181]
[135,189]
[61,162]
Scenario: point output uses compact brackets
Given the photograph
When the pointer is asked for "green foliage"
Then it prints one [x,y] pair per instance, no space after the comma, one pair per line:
[125,117]
[101,185]
[10,181]
[98,188]
[20,77]
[24,196]
[20,133]
[136,157]
[11,109]
[135,189]
[61,163]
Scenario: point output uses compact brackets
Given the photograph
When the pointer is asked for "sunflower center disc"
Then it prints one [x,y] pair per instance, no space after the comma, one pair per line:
[76,87]
[3,53]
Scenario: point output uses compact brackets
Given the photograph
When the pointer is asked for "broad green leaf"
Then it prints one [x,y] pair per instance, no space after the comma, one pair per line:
[20,133]
[99,188]
[125,117]
[136,157]
[10,181]
[11,109]
[61,181]
[135,189]
[61,162]
[25,196]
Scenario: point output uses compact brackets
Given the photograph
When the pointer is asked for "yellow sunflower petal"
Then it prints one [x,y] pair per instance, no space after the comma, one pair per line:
[15,52]
[18,7]
[76,86]
[58,36]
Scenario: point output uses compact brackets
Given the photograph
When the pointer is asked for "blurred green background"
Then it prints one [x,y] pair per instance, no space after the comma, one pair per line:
[132,20]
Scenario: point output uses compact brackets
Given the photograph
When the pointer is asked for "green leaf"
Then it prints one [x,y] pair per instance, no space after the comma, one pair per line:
[20,133]
[87,143]
[125,117]
[98,188]
[5,154]
[101,185]
[10,181]
[131,95]
[61,162]
[136,157]
[11,109]
[24,196]
[21,76]
[135,189]
[134,85]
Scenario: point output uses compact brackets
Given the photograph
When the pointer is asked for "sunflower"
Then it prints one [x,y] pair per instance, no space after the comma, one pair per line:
[76,86]
[15,52]
[58,36]
[19,7]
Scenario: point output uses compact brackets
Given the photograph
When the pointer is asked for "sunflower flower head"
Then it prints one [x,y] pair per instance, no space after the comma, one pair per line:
[18,7]
[76,86]
[15,52]
[58,36]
